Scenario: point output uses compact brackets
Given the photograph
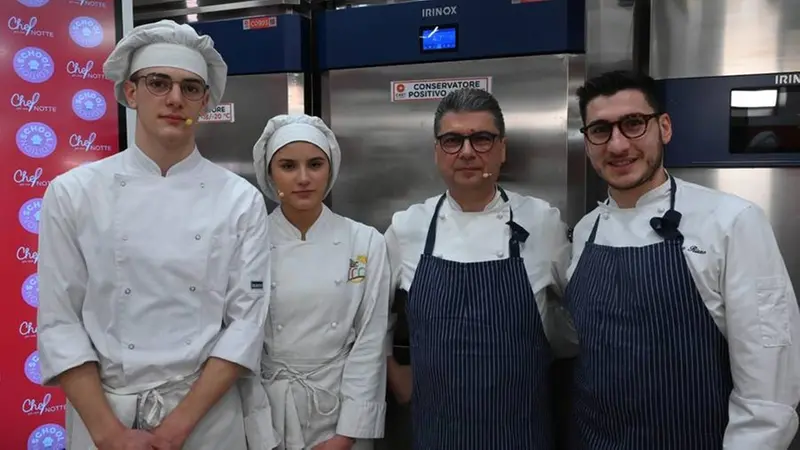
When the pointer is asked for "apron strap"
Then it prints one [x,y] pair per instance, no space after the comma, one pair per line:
[665,226]
[431,239]
[518,233]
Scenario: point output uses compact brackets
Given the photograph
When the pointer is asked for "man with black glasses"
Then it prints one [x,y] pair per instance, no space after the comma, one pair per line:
[687,321]
[480,265]
[153,268]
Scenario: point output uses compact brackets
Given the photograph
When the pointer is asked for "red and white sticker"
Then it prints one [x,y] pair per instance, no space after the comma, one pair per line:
[222,113]
[259,23]
[435,89]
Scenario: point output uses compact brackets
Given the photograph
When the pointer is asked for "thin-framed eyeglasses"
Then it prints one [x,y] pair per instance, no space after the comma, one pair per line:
[481,142]
[632,126]
[160,85]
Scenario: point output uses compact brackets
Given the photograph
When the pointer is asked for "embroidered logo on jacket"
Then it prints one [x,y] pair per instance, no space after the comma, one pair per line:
[358,269]
[257,285]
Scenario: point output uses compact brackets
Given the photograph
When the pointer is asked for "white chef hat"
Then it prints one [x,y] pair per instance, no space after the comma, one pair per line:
[167,44]
[285,129]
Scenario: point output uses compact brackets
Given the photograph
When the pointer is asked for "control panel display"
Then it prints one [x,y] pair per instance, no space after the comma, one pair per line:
[438,38]
[765,120]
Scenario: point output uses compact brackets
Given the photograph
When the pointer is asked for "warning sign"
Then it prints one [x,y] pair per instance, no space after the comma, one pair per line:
[222,113]
[435,89]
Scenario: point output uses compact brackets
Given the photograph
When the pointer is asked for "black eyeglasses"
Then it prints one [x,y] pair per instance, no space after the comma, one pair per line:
[632,126]
[452,143]
[160,85]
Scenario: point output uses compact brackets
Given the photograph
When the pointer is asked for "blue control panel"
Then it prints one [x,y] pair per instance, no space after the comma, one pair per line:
[438,38]
[437,30]
[257,45]
[733,121]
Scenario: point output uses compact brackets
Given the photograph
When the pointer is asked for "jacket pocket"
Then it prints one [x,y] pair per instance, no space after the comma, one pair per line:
[773,313]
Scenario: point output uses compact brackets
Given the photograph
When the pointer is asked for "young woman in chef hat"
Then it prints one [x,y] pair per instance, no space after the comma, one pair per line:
[323,363]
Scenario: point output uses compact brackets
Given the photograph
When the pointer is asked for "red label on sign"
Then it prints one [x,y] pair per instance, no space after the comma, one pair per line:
[257,23]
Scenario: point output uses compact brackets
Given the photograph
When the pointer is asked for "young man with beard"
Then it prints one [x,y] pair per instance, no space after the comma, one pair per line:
[688,324]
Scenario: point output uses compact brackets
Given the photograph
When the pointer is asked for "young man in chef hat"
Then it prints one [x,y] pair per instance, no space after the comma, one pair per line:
[152,298]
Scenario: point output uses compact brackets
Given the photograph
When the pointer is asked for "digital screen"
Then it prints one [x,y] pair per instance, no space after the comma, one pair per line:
[440,38]
[765,120]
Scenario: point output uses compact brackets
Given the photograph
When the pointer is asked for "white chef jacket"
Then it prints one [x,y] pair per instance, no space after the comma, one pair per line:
[324,366]
[149,275]
[483,236]
[738,269]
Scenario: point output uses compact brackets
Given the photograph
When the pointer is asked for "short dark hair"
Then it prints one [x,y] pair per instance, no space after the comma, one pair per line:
[469,100]
[609,83]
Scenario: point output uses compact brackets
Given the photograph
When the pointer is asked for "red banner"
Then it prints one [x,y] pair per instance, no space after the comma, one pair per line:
[57,111]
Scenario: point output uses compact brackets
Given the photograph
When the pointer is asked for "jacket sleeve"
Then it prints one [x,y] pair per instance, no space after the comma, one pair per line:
[62,340]
[363,389]
[248,294]
[557,323]
[395,264]
[763,331]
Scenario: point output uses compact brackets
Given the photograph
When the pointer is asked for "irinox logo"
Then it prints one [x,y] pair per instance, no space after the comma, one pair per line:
[787,78]
[439,11]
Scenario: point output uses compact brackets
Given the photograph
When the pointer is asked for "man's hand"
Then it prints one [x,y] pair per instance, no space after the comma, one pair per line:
[336,443]
[126,439]
[173,431]
[400,381]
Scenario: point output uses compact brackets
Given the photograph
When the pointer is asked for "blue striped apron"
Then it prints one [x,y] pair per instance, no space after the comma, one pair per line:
[653,371]
[479,355]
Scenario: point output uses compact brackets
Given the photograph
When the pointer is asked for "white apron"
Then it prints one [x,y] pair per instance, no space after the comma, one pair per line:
[309,392]
[221,428]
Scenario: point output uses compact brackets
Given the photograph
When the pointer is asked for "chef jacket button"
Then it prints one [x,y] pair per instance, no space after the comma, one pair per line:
[338,282]
[335,324]
[273,285]
[192,288]
[500,215]
[196,237]
[605,216]
[131,346]
[124,238]
[122,183]
[337,242]
[442,216]
[272,246]
[280,327]
[499,254]
[661,210]
[202,185]
[188,342]
[438,255]
[127,290]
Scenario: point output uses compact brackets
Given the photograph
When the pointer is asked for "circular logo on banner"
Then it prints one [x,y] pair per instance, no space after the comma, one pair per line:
[29,215]
[33,3]
[36,140]
[33,65]
[30,290]
[48,437]
[86,32]
[32,370]
[89,104]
